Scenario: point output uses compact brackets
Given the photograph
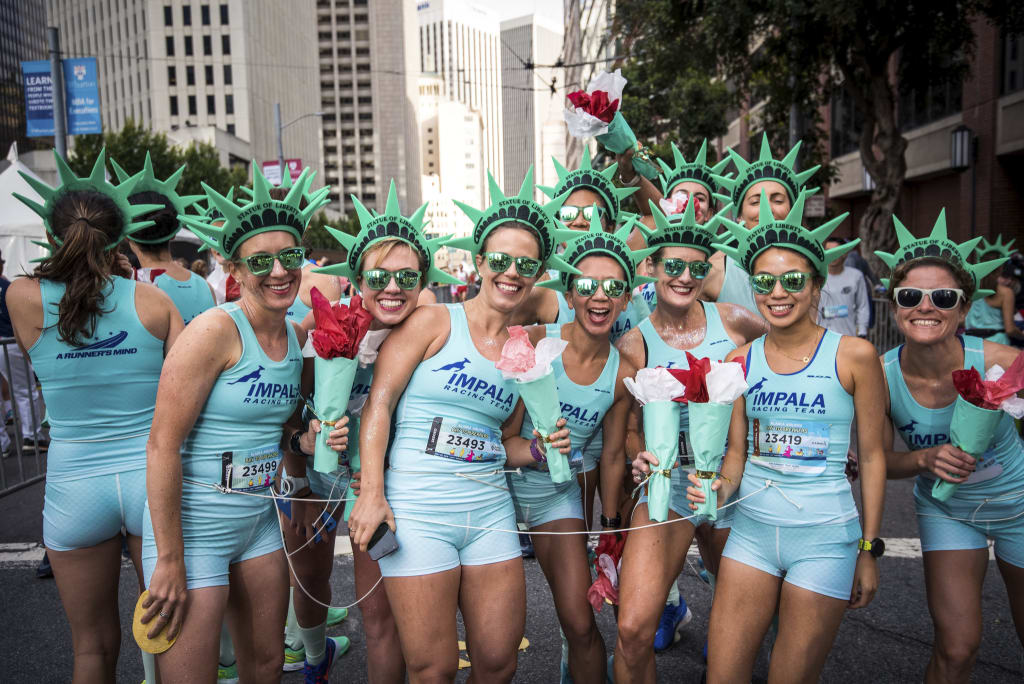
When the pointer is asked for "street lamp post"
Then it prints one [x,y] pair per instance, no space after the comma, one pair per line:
[279,127]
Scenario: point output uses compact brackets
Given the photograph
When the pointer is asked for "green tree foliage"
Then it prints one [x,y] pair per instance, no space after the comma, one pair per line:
[317,237]
[128,148]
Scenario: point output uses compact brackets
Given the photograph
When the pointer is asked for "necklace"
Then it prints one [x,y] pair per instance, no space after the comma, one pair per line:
[806,358]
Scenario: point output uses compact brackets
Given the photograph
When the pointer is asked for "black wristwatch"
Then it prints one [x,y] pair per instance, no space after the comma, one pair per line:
[293,443]
[613,522]
[876,547]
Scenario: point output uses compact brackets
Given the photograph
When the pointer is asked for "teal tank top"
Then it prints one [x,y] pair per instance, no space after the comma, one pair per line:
[736,287]
[716,345]
[101,391]
[1000,470]
[798,435]
[191,297]
[627,320]
[446,453]
[237,435]
[298,311]
[982,316]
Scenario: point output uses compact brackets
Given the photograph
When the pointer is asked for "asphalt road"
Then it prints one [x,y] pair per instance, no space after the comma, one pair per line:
[889,641]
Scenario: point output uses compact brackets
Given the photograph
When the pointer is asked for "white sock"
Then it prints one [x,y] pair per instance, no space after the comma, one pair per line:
[315,641]
[291,626]
[149,667]
[227,649]
[673,594]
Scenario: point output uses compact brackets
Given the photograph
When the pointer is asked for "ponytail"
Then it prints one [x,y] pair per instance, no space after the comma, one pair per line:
[86,222]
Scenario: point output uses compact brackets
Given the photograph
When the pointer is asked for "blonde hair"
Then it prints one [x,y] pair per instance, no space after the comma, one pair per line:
[380,251]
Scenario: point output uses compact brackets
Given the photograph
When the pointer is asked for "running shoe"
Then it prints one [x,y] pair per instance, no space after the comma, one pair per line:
[43,570]
[227,674]
[673,619]
[336,615]
[294,658]
[702,572]
[526,545]
[318,674]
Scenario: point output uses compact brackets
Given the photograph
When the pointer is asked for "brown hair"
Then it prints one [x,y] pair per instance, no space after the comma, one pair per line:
[86,222]
[165,222]
[963,279]
[519,226]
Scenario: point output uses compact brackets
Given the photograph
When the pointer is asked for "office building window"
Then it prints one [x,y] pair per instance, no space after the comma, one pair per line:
[229,104]
[223,15]
[172,76]
[207,45]
[225,45]
[211,105]
[1013,63]
[227,74]
[190,75]
[169,43]
[192,108]
[204,13]
[168,15]
[208,69]
[847,123]
[186,15]
[231,129]
[188,46]
[174,105]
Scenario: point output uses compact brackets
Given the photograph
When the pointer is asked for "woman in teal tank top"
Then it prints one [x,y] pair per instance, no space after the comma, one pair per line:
[991,317]
[217,441]
[391,269]
[988,503]
[793,546]
[444,491]
[82,326]
[654,556]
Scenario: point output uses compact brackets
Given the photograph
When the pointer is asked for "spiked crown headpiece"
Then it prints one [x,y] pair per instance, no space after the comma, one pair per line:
[696,171]
[597,242]
[146,181]
[997,247]
[787,234]
[588,177]
[390,225]
[765,168]
[682,230]
[261,215]
[938,245]
[95,181]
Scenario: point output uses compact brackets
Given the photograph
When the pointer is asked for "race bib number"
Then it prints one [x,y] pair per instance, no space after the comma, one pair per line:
[841,311]
[250,471]
[987,467]
[460,441]
[791,446]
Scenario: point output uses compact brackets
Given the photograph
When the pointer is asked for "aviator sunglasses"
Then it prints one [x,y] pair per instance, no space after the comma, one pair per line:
[567,213]
[378,278]
[499,262]
[587,287]
[262,263]
[675,268]
[793,281]
[945,298]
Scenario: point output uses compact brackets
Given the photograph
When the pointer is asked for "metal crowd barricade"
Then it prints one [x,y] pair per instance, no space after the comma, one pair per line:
[26,463]
[884,335]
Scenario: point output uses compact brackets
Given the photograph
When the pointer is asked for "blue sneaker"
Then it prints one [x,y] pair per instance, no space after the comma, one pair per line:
[673,618]
[318,674]
[526,545]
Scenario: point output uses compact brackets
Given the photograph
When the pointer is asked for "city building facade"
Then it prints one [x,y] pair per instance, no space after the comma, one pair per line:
[22,39]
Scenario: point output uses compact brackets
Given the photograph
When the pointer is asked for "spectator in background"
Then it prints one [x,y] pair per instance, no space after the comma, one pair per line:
[21,380]
[845,305]
[855,260]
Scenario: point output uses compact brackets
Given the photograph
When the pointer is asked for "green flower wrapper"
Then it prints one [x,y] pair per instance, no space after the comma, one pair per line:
[709,427]
[353,463]
[333,385]
[619,138]
[971,430]
[541,399]
[661,437]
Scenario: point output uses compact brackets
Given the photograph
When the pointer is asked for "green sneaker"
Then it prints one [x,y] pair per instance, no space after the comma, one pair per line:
[336,615]
[227,675]
[341,643]
[294,658]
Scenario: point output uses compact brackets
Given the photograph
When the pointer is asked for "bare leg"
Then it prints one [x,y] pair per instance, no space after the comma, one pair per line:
[384,663]
[256,610]
[492,599]
[87,580]
[564,562]
[588,482]
[653,557]
[427,629]
[1013,577]
[312,569]
[745,601]
[953,580]
[193,657]
[711,543]
[808,623]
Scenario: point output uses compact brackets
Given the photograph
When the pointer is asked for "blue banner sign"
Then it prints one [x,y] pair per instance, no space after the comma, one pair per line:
[81,97]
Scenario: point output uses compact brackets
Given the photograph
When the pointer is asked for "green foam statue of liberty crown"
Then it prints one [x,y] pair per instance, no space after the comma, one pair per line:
[146,181]
[522,209]
[286,184]
[390,225]
[766,168]
[696,171]
[787,234]
[597,242]
[96,181]
[938,246]
[262,214]
[997,247]
[682,230]
[588,177]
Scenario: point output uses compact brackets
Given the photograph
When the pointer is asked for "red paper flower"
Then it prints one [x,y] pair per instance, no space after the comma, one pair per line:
[694,379]
[604,589]
[990,394]
[596,104]
[339,329]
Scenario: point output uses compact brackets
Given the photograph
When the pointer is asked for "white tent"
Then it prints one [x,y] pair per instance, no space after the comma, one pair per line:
[19,225]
